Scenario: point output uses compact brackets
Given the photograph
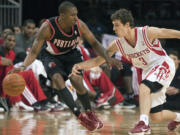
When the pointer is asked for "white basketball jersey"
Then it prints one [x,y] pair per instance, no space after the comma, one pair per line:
[143,55]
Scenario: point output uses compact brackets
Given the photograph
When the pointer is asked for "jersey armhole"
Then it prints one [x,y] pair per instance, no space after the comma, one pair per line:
[124,58]
[53,31]
[145,37]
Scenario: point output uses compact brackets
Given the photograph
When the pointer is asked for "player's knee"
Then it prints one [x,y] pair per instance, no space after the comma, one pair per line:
[57,78]
[153,86]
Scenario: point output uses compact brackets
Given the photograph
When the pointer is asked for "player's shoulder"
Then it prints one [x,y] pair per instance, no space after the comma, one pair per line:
[114,42]
[118,39]
[52,18]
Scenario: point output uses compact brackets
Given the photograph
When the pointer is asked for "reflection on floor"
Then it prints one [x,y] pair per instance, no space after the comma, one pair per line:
[116,121]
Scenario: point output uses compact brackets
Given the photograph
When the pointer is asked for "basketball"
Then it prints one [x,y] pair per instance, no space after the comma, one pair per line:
[13,84]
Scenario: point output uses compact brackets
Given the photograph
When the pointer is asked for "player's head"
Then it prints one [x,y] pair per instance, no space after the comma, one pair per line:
[122,19]
[29,27]
[68,13]
[173,54]
[9,41]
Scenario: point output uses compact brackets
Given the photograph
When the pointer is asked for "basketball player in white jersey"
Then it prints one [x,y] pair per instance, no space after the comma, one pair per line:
[140,47]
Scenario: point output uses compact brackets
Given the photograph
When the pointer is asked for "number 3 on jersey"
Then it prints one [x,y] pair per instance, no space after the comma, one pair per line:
[143,60]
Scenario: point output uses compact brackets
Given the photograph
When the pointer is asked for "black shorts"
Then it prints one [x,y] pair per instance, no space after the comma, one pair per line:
[60,63]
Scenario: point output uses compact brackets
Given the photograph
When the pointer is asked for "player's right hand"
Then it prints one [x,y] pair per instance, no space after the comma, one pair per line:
[16,70]
[76,70]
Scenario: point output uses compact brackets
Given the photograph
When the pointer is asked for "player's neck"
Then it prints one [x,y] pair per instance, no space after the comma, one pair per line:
[64,26]
[130,37]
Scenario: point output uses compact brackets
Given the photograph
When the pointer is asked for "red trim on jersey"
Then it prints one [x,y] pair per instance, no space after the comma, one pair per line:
[120,47]
[135,30]
[153,70]
[139,74]
[84,54]
[51,28]
[149,45]
[124,58]
[156,45]
[62,29]
[54,47]
[79,28]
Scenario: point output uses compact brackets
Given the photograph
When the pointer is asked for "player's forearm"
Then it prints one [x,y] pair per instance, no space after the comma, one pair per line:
[100,50]
[33,53]
[86,65]
[29,59]
[171,33]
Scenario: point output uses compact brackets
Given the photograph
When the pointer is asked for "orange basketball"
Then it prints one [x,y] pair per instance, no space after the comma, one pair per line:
[13,84]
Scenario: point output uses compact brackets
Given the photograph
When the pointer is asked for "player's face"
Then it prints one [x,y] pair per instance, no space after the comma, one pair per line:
[10,42]
[119,28]
[70,17]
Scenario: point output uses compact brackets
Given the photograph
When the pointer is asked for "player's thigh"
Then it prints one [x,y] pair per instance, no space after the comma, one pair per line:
[53,65]
[71,59]
[162,73]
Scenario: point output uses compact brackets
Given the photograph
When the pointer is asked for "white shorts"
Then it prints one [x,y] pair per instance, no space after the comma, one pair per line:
[162,74]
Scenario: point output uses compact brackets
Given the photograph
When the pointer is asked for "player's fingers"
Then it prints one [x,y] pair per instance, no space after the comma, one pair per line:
[73,74]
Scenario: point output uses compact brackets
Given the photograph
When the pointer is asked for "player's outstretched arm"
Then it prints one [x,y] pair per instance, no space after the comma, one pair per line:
[86,65]
[154,33]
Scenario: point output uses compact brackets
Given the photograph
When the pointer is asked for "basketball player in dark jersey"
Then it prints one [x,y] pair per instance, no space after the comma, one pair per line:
[60,54]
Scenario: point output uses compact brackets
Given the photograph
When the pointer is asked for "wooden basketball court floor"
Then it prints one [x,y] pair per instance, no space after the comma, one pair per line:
[116,122]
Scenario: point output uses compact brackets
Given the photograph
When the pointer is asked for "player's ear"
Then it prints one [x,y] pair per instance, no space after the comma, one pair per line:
[127,24]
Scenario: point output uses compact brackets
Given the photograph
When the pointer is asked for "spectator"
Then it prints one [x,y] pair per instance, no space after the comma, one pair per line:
[25,39]
[5,31]
[33,93]
[17,29]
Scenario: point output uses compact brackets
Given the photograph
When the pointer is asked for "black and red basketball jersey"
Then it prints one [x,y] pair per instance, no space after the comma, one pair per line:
[61,42]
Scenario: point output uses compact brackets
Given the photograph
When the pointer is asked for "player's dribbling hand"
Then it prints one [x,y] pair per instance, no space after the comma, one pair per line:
[16,70]
[76,70]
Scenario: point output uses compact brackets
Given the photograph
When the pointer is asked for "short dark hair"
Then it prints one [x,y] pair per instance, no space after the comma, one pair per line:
[124,16]
[28,21]
[64,6]
[9,34]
